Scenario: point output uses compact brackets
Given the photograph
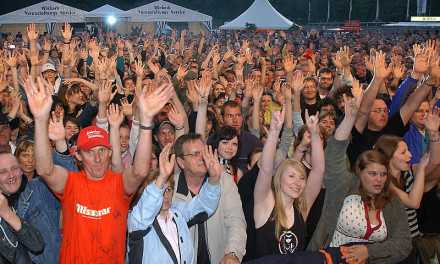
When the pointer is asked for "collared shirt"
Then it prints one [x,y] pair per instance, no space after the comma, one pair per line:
[169,229]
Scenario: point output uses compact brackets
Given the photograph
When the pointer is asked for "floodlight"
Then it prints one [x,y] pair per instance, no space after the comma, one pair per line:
[111,20]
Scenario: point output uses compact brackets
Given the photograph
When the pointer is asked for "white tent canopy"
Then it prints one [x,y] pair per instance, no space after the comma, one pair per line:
[106,11]
[162,12]
[263,15]
[44,12]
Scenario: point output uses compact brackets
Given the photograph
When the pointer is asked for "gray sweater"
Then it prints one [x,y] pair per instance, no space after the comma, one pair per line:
[339,184]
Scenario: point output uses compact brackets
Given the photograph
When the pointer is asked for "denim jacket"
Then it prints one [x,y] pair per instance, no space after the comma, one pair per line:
[15,245]
[65,161]
[41,208]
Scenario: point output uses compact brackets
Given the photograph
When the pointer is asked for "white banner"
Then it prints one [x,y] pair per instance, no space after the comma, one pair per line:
[47,11]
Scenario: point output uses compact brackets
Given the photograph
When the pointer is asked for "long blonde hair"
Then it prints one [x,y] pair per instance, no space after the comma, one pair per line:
[279,215]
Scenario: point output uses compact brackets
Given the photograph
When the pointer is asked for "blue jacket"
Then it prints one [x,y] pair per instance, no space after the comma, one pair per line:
[39,206]
[146,210]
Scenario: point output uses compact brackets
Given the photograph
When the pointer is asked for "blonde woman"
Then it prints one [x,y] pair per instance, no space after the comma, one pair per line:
[282,202]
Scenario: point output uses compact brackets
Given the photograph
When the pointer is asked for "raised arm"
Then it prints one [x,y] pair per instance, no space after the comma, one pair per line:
[40,101]
[432,123]
[144,212]
[381,71]
[420,94]
[149,105]
[262,194]
[115,118]
[314,181]
[204,89]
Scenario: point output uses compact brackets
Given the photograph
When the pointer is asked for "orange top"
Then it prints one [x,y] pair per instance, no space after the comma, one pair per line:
[94,219]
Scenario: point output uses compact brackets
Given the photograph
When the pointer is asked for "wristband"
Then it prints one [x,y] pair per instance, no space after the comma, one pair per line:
[426,83]
[146,127]
[233,254]
[301,150]
[180,128]
[435,140]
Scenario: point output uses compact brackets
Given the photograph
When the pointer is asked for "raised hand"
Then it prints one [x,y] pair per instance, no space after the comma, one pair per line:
[182,71]
[287,92]
[114,115]
[277,121]
[56,128]
[139,68]
[432,120]
[312,123]
[352,105]
[150,104]
[248,83]
[39,98]
[32,35]
[257,91]
[175,116]
[398,71]
[127,108]
[67,32]
[345,56]
[192,93]
[104,91]
[381,70]
[433,66]
[289,63]
[298,83]
[12,60]
[212,164]
[356,88]
[166,163]
[420,62]
[204,88]
[337,60]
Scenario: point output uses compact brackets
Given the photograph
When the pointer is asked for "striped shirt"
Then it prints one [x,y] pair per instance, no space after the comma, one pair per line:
[412,214]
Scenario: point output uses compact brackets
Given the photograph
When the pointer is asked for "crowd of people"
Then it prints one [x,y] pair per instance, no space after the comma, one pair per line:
[258,147]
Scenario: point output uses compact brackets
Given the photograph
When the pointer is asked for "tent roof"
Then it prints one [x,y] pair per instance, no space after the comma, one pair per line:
[164,11]
[107,10]
[47,11]
[263,15]
[413,24]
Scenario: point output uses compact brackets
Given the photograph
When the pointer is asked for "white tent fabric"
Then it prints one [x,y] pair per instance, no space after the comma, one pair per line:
[106,11]
[47,11]
[263,15]
[164,11]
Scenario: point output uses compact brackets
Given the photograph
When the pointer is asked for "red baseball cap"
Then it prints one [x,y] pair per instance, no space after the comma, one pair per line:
[92,136]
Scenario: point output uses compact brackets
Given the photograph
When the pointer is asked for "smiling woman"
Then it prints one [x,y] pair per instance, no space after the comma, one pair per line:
[25,156]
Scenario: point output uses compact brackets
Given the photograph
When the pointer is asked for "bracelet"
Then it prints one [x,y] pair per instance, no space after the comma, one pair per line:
[180,128]
[435,140]
[146,127]
[426,83]
[233,254]
[301,150]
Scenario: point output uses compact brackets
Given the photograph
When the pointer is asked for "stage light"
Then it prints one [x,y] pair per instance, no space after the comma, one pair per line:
[111,20]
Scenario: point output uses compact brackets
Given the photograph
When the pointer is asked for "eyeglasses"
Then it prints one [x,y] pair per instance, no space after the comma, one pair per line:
[381,111]
[193,155]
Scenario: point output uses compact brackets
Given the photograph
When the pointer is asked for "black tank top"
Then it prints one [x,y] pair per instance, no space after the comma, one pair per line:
[290,240]
[428,214]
